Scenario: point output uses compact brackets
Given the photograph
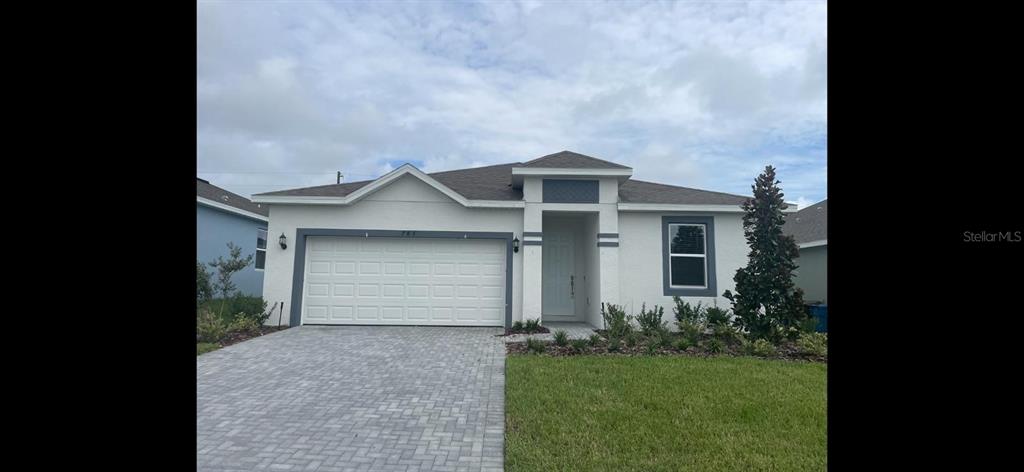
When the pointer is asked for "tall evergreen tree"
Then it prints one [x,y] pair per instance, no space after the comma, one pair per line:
[767,303]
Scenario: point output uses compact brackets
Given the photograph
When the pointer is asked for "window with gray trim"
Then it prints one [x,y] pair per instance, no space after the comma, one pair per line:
[688,257]
[688,254]
[261,248]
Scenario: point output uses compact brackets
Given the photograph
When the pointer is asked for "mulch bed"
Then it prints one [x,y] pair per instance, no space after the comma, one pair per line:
[784,351]
[236,337]
[540,329]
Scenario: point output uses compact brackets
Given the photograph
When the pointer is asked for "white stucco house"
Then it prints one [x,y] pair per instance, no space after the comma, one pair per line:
[546,239]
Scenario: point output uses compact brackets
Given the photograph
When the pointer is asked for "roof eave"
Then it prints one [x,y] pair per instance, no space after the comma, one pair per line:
[809,244]
[230,209]
[691,207]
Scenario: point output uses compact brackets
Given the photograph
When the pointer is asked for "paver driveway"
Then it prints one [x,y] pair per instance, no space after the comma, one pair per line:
[354,398]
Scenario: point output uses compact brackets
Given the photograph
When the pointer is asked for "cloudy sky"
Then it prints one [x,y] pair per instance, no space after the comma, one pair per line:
[697,94]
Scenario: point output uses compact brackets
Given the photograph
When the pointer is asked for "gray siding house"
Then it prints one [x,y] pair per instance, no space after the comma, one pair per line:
[810,229]
[223,217]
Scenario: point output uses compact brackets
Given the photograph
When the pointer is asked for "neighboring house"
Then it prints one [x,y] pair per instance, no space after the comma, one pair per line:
[810,229]
[551,238]
[223,217]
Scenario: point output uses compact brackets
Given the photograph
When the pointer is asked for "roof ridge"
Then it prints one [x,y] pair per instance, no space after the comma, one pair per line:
[474,168]
[688,188]
[566,151]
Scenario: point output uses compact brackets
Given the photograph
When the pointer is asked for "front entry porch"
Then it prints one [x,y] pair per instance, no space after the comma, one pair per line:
[570,266]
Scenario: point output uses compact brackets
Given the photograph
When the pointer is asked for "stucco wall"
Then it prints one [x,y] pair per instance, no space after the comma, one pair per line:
[406,204]
[214,229]
[593,311]
[812,275]
[640,260]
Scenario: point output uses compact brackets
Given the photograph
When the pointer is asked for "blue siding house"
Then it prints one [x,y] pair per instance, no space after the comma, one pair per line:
[223,217]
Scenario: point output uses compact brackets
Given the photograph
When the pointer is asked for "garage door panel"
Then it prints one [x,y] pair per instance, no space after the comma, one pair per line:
[344,290]
[318,289]
[393,291]
[418,313]
[367,312]
[441,313]
[404,281]
[316,313]
[417,291]
[342,312]
[344,268]
[319,267]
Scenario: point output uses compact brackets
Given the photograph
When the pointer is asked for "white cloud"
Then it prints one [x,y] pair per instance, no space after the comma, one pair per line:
[694,94]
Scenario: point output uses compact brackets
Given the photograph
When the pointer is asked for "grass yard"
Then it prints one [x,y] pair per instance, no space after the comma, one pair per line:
[664,413]
[203,348]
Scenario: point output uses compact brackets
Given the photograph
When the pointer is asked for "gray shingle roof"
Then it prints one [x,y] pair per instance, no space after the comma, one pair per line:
[494,183]
[212,192]
[482,183]
[638,191]
[478,183]
[809,224]
[572,160]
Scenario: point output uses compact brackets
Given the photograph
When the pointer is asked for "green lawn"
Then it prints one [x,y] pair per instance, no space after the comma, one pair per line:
[664,413]
[203,348]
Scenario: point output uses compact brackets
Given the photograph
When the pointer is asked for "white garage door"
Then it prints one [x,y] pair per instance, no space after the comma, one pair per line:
[394,281]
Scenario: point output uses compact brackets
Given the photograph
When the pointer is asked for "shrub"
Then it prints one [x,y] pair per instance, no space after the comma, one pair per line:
[686,312]
[226,268]
[615,320]
[716,345]
[631,339]
[652,349]
[229,308]
[244,324]
[595,339]
[579,345]
[760,347]
[532,326]
[517,326]
[650,321]
[561,337]
[535,346]
[210,328]
[809,325]
[717,316]
[664,337]
[683,344]
[725,333]
[813,344]
[691,330]
[204,288]
[614,344]
[249,307]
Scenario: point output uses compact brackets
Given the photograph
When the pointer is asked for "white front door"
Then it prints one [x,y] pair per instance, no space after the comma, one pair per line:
[559,266]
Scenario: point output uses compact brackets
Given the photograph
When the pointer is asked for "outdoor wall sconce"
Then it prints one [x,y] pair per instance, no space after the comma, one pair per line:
[283,241]
[515,245]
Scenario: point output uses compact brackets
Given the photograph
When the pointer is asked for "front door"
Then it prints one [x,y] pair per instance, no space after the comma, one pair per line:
[559,269]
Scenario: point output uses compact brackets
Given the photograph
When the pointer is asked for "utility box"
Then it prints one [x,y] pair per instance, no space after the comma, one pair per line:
[820,312]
